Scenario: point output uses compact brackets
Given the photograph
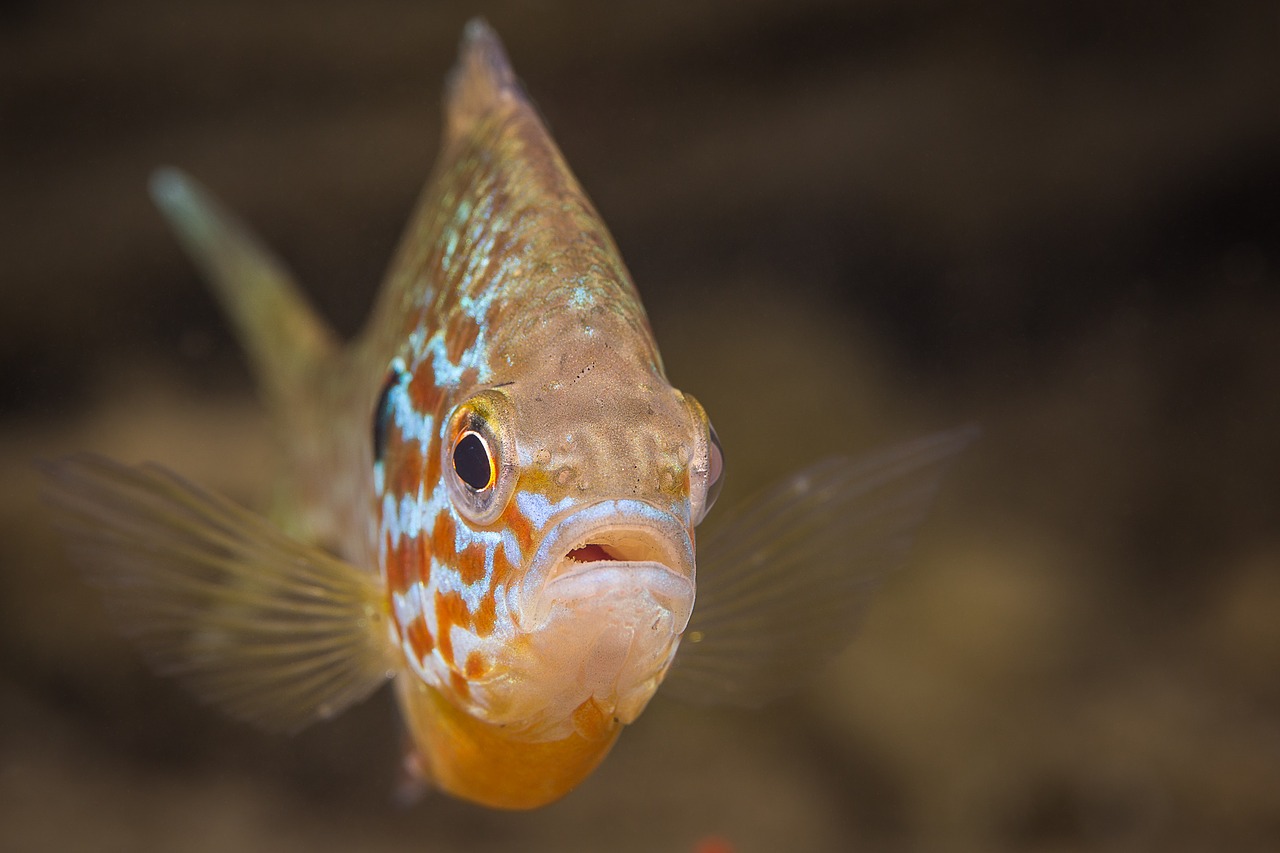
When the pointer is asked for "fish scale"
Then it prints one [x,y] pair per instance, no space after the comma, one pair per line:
[509,483]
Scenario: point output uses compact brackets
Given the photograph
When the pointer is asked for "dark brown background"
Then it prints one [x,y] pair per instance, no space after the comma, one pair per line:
[851,223]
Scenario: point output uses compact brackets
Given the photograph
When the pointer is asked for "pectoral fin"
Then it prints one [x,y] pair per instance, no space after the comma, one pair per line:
[267,628]
[783,580]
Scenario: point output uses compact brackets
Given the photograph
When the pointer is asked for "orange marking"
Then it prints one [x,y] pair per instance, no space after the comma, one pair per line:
[397,580]
[407,563]
[404,465]
[485,616]
[470,563]
[431,474]
[450,610]
[419,638]
[514,519]
[502,567]
[475,666]
[423,392]
[460,335]
[442,539]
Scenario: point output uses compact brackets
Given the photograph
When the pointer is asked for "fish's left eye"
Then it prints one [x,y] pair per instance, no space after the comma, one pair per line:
[715,468]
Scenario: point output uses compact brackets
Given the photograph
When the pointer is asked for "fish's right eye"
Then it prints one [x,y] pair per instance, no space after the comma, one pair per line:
[382,412]
[479,456]
[473,461]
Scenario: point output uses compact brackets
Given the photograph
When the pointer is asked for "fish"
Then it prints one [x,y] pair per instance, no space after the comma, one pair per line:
[489,498]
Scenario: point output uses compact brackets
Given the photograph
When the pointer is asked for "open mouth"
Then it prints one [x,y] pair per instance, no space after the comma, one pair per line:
[621,547]
[613,549]
[591,553]
[638,550]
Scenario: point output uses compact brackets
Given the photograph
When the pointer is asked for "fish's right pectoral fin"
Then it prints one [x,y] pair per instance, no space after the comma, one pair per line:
[783,579]
[269,629]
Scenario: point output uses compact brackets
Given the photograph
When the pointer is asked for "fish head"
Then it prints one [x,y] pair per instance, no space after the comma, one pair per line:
[556,555]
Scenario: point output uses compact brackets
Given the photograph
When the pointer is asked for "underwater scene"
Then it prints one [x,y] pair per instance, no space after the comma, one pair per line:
[984,306]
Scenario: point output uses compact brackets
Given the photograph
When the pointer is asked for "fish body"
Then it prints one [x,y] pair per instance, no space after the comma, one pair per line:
[539,604]
[494,492]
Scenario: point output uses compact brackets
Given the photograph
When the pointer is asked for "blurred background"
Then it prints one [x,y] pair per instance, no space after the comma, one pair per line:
[1060,220]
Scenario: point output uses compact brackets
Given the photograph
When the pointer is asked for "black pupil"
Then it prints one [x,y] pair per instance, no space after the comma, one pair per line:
[471,461]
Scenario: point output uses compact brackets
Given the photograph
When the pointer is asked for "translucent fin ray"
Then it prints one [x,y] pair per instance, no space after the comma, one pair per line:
[283,335]
[269,629]
[782,580]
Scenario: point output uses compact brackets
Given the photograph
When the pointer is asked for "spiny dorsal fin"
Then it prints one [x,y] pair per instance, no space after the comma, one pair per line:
[783,579]
[270,630]
[481,78]
[502,208]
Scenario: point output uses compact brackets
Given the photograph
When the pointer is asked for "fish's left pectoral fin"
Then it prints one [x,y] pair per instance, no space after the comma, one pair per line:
[783,579]
[271,630]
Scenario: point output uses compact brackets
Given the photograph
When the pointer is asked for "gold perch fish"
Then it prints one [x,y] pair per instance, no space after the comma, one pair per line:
[493,491]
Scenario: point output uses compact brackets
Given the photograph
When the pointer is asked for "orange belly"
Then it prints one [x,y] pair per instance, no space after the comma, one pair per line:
[484,763]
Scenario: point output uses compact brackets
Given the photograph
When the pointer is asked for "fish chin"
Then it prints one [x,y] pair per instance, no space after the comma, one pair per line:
[597,614]
[606,634]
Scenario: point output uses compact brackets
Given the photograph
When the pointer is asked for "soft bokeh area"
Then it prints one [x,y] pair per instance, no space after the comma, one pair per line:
[852,223]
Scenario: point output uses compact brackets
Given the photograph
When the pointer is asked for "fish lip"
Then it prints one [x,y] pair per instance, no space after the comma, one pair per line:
[661,543]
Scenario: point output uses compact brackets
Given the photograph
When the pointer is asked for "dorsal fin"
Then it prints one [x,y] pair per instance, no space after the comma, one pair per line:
[480,79]
[502,213]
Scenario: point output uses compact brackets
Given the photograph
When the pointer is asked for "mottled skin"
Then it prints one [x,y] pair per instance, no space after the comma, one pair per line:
[507,309]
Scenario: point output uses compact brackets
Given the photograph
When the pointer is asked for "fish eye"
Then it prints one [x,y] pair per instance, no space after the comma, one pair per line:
[473,461]
[382,411]
[715,468]
[707,462]
[478,456]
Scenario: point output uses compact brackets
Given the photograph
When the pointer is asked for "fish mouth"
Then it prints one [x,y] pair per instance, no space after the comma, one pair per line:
[607,556]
